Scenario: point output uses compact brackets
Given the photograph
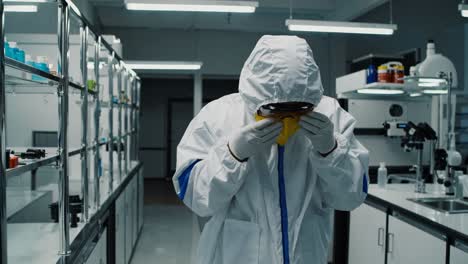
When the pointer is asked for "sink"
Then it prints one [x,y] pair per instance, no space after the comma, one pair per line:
[443,204]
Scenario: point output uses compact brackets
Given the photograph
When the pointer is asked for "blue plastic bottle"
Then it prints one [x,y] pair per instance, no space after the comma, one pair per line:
[371,74]
[9,51]
[21,56]
[13,51]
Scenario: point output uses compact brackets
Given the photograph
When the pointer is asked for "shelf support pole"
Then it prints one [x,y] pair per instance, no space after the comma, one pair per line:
[110,141]
[63,202]
[97,115]
[3,182]
[84,124]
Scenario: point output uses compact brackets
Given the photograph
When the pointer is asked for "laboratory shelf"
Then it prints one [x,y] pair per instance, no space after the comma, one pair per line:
[21,68]
[64,89]
[31,166]
[36,164]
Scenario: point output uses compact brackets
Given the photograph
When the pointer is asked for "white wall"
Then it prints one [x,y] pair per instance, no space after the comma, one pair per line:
[222,52]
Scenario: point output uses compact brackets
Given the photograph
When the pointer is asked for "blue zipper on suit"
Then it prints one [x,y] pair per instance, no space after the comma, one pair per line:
[283,205]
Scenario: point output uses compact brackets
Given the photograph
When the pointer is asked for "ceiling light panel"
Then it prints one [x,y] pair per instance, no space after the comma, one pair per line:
[21,8]
[165,65]
[340,27]
[193,6]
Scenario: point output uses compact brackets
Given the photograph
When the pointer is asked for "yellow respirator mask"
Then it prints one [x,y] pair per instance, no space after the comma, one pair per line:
[290,126]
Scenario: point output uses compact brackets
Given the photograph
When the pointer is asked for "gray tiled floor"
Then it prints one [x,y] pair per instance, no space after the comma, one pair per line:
[167,234]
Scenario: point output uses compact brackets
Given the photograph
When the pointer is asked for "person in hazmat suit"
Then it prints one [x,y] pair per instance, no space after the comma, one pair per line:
[270,164]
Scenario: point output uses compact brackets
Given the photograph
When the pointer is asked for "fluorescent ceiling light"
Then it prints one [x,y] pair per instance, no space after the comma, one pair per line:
[164,65]
[340,27]
[423,84]
[193,6]
[415,94]
[25,1]
[463,9]
[379,91]
[21,8]
[431,80]
[435,91]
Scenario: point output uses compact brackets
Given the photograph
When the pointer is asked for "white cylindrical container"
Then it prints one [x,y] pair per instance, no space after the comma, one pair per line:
[382,175]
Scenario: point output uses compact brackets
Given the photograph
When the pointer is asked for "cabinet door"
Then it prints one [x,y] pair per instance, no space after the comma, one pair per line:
[458,256]
[141,193]
[135,210]
[367,236]
[99,253]
[408,244]
[103,248]
[120,229]
[128,223]
[94,257]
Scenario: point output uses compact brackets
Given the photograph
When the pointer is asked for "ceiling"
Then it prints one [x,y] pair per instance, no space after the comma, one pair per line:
[269,17]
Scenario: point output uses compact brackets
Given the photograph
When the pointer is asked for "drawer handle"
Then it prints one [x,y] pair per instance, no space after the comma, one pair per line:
[380,237]
[391,238]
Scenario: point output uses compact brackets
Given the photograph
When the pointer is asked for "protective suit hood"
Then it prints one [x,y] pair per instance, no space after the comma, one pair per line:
[280,69]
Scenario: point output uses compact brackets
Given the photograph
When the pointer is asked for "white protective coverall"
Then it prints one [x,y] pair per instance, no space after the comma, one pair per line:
[277,207]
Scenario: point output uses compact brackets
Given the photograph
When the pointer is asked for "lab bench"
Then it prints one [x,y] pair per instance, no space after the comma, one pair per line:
[389,228]
[93,241]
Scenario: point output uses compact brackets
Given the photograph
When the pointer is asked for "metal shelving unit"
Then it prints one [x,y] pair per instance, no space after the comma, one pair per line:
[14,73]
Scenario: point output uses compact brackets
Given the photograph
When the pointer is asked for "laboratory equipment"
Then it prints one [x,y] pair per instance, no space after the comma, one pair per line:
[32,154]
[415,137]
[394,128]
[382,175]
[76,207]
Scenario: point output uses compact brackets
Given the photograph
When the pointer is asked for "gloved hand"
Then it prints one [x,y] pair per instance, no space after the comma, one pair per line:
[319,129]
[253,138]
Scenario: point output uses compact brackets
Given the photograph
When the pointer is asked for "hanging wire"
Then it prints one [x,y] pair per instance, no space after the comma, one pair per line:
[391,11]
[290,9]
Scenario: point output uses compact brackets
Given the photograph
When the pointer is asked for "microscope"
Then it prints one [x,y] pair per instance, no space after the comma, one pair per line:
[415,136]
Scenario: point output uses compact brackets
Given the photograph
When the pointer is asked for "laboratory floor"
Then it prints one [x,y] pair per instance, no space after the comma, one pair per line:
[167,233]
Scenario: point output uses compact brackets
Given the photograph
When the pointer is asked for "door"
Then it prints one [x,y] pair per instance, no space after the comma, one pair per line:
[458,256]
[180,115]
[408,244]
[367,236]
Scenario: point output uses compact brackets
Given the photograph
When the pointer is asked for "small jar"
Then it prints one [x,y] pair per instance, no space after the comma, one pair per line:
[399,74]
[383,75]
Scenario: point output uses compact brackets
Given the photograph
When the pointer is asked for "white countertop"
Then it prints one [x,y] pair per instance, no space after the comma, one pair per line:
[398,194]
[35,242]
[18,198]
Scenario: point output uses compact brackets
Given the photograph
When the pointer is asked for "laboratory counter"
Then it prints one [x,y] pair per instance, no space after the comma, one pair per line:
[393,200]
[44,237]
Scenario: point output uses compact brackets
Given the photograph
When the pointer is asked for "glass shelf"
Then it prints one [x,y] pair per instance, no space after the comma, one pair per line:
[19,73]
[23,75]
[51,158]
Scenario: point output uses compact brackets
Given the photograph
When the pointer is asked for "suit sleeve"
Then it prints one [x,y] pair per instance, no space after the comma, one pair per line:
[343,174]
[207,176]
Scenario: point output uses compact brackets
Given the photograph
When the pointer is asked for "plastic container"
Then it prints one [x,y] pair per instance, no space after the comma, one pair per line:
[371,74]
[9,50]
[396,72]
[399,74]
[382,175]
[383,75]
[14,50]
[42,63]
[28,61]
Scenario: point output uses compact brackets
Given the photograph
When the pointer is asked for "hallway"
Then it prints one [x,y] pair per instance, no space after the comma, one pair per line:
[167,233]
